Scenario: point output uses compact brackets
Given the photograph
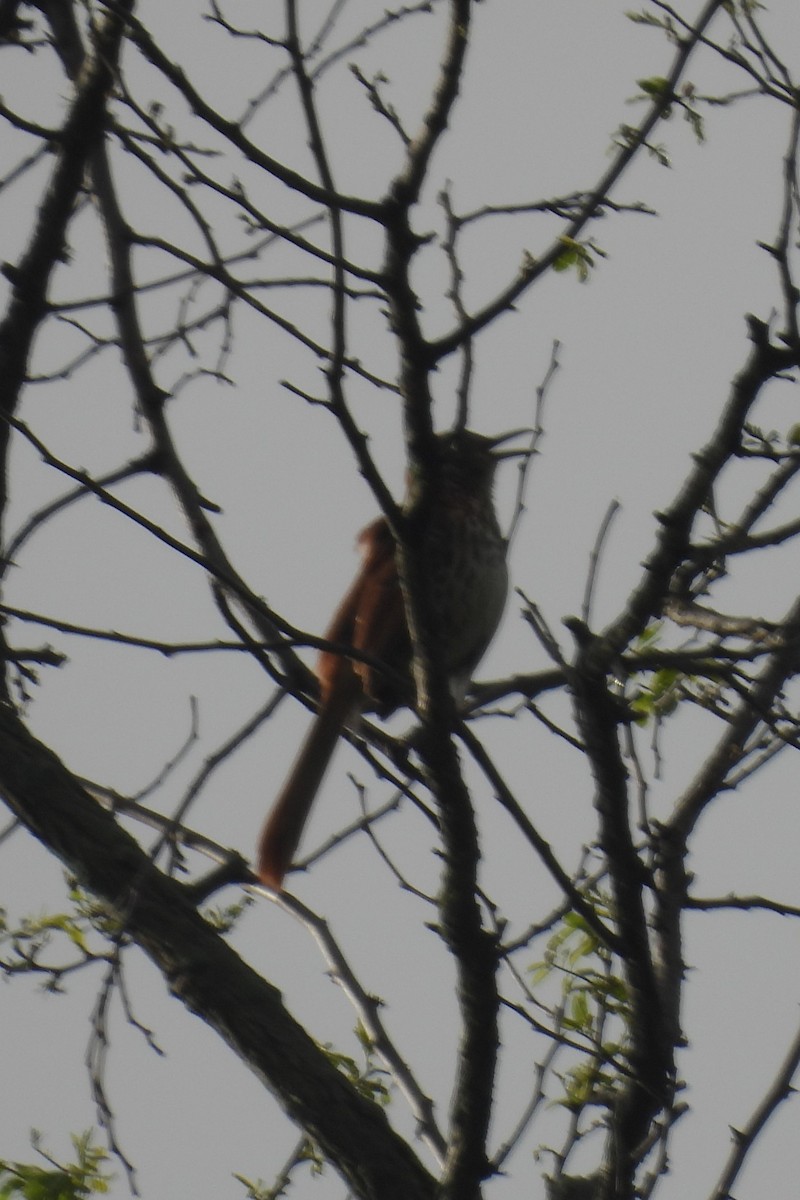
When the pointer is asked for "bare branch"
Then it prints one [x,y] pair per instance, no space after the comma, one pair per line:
[744,1140]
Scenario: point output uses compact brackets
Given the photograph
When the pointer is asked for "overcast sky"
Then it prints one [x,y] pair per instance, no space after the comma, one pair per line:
[647,350]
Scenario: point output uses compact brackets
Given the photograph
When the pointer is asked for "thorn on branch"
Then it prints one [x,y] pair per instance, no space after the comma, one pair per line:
[758,331]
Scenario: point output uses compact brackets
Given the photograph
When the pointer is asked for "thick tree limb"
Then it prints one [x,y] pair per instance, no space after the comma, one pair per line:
[202,971]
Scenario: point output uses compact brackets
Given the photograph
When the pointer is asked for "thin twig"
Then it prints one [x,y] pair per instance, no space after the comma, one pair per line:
[368,1009]
[594,560]
[744,1139]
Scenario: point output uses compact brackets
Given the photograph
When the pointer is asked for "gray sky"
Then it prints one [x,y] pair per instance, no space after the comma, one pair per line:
[648,348]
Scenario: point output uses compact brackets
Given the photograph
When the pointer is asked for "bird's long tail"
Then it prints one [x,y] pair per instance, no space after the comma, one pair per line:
[284,826]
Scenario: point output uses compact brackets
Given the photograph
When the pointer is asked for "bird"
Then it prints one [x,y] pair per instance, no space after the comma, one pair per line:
[462,552]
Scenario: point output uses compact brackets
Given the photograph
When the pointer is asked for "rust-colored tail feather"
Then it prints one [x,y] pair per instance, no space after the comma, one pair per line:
[284,825]
[361,620]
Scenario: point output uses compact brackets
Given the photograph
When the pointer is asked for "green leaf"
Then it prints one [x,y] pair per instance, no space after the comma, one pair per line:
[696,122]
[656,86]
[579,1011]
[577,255]
[643,18]
[75,1181]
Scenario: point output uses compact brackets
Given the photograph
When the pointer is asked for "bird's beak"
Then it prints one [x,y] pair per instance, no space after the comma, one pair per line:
[506,437]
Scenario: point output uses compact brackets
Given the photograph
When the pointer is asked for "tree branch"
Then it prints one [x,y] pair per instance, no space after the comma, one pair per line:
[203,972]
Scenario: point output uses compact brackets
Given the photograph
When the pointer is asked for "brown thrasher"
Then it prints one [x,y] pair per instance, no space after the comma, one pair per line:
[463,554]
